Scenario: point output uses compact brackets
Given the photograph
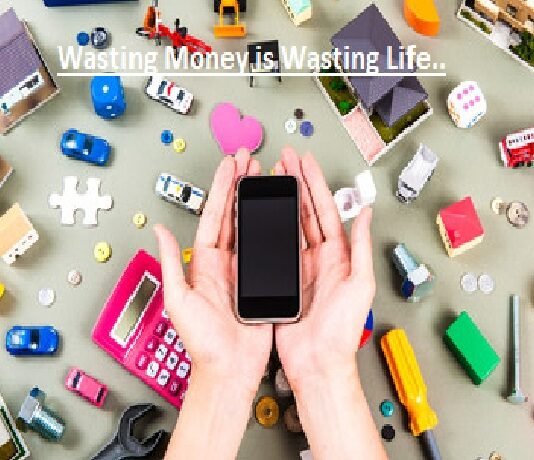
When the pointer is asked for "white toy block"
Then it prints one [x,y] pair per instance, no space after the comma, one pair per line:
[466,104]
[89,202]
[350,201]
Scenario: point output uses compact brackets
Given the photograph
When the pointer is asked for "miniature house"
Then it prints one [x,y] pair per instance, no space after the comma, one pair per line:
[376,110]
[518,14]
[17,234]
[25,82]
[5,171]
[460,227]
[299,10]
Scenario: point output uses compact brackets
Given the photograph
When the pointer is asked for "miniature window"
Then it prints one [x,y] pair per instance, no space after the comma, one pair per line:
[511,10]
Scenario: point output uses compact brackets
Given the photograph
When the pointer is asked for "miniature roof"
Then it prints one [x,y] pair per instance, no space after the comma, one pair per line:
[400,100]
[18,56]
[461,222]
[370,32]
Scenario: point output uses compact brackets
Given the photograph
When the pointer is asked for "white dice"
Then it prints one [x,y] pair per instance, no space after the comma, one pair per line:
[466,104]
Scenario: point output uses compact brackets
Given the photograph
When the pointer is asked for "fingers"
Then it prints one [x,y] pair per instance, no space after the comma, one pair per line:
[227,234]
[254,168]
[323,201]
[362,250]
[211,221]
[310,225]
[171,266]
[279,169]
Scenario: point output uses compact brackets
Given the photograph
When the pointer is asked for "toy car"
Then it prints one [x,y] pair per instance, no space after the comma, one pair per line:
[172,96]
[86,386]
[32,340]
[416,174]
[517,149]
[85,147]
[107,94]
[181,193]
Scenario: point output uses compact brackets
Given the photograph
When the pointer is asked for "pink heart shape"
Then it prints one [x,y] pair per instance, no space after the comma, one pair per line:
[232,132]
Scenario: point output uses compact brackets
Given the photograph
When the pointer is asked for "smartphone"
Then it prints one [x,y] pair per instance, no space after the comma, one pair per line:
[268,246]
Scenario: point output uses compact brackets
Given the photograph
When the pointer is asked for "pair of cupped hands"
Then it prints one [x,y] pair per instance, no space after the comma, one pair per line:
[337,285]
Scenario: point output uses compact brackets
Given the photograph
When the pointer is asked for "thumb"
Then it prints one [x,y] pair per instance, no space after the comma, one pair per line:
[173,275]
[361,246]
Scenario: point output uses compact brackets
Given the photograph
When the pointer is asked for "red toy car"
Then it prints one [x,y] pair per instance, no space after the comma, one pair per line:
[517,149]
[86,386]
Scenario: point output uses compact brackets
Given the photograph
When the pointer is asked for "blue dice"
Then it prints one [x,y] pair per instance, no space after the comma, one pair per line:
[108,96]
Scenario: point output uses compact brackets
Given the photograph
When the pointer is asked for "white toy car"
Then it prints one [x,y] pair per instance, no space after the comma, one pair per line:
[416,174]
[350,201]
[181,193]
[169,94]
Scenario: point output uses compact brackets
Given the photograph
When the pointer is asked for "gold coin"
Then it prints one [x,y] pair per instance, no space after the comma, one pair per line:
[179,145]
[102,252]
[139,220]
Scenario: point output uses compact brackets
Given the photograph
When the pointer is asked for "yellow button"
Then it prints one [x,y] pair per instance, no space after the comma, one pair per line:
[2,290]
[187,253]
[102,252]
[179,145]
[139,220]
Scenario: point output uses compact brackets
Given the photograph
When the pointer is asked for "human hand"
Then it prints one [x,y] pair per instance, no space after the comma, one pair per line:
[337,282]
[201,306]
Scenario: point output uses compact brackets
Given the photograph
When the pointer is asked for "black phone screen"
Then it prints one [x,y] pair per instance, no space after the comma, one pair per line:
[268,248]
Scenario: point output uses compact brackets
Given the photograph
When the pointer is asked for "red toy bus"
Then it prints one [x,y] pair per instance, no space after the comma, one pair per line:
[517,149]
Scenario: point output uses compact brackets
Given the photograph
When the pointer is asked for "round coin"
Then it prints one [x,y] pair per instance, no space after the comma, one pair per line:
[46,296]
[496,205]
[74,277]
[102,252]
[267,411]
[517,214]
[139,220]
[469,282]
[290,126]
[486,283]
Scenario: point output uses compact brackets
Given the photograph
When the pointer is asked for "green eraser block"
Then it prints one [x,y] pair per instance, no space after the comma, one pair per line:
[471,348]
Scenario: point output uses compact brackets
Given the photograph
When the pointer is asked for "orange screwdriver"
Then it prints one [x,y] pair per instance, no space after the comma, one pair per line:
[411,388]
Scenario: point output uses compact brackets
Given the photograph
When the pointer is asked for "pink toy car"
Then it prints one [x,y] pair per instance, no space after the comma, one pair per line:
[86,386]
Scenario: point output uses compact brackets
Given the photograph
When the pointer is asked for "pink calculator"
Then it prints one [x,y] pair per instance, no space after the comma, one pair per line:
[134,328]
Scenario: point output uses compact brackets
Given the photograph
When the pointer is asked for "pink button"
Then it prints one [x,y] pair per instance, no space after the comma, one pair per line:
[152,344]
[142,361]
[160,328]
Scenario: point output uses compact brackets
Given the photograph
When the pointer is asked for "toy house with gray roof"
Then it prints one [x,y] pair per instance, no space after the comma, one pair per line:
[25,82]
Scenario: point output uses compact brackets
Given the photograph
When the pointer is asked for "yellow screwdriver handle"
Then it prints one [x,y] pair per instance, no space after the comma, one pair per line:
[411,388]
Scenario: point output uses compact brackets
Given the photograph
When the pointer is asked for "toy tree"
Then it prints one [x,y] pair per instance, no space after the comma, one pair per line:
[525,49]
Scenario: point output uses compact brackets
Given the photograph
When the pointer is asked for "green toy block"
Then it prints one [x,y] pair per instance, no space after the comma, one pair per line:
[471,348]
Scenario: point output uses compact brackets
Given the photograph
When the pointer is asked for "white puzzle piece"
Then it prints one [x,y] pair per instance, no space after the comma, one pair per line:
[89,202]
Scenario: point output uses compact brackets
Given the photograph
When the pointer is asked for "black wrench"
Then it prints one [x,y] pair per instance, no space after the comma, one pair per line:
[124,444]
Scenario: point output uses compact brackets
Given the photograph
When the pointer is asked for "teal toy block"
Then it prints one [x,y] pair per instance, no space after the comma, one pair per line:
[471,348]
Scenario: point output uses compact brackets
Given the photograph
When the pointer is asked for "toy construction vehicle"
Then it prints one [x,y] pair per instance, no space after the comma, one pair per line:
[154,29]
[236,29]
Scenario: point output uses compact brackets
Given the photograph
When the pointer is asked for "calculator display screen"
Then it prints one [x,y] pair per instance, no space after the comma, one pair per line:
[134,310]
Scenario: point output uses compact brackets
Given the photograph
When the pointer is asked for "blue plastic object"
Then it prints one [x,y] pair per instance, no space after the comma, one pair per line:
[306,128]
[83,38]
[107,94]
[167,137]
[32,340]
[387,408]
[85,147]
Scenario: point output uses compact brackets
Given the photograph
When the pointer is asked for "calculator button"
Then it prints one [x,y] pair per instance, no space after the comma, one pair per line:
[174,387]
[160,328]
[152,369]
[179,346]
[163,377]
[164,314]
[142,361]
[172,361]
[152,344]
[183,369]
[161,352]
[170,336]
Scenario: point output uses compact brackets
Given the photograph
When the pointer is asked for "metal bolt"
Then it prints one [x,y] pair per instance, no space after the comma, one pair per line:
[517,396]
[35,415]
[417,279]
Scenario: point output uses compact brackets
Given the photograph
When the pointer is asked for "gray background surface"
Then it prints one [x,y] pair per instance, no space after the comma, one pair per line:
[473,420]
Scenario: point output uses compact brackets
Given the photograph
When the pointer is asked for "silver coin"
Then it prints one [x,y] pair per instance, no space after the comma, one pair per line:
[497,205]
[517,214]
[486,283]
[74,277]
[469,282]
[46,296]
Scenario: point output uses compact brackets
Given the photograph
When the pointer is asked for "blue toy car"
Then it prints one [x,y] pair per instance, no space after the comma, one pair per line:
[85,147]
[32,340]
[107,94]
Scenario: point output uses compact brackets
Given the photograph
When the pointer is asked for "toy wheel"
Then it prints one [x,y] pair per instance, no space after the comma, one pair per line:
[242,6]
[216,6]
[520,164]
[529,164]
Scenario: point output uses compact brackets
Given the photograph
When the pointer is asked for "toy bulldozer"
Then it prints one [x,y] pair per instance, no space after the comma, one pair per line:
[236,29]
